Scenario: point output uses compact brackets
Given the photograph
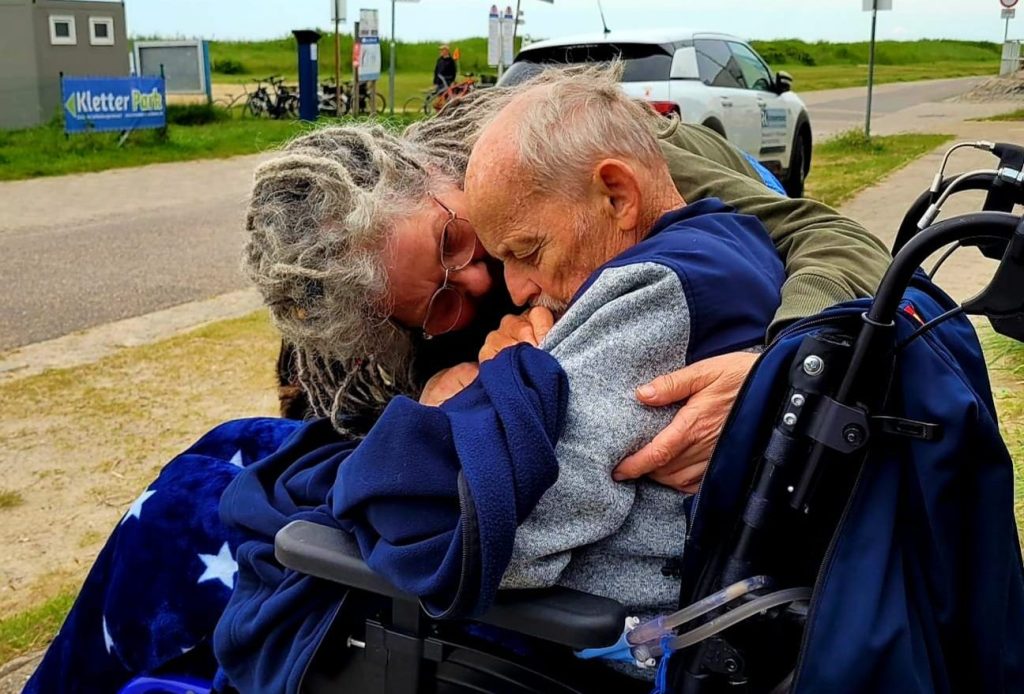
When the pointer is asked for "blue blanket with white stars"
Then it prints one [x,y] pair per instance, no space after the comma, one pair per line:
[153,597]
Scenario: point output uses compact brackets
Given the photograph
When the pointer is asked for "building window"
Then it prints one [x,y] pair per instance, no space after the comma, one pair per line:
[101,31]
[62,30]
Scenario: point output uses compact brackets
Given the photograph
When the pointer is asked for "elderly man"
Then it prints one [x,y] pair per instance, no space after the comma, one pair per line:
[576,199]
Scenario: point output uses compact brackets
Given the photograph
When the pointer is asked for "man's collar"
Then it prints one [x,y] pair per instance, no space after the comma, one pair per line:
[705,206]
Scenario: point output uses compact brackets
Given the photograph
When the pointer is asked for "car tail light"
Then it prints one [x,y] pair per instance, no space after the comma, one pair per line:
[665,108]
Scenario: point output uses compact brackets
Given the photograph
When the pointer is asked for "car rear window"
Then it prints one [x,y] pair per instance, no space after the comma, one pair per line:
[642,62]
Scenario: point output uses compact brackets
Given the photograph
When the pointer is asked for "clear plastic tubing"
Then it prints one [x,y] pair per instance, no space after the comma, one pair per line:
[654,629]
[733,617]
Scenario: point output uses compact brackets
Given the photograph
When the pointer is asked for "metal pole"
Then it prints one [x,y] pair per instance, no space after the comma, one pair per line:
[1006,32]
[337,70]
[391,68]
[501,43]
[871,68]
[515,26]
[353,106]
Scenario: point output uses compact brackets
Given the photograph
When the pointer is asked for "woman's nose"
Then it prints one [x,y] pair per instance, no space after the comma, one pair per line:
[474,280]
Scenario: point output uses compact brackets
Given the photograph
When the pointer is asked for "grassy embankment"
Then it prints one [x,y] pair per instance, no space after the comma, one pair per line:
[814,66]
[833,65]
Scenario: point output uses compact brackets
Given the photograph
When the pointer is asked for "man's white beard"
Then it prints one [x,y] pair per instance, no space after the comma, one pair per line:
[554,305]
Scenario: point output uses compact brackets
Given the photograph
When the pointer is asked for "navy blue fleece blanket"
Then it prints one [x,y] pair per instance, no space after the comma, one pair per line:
[424,479]
[151,600]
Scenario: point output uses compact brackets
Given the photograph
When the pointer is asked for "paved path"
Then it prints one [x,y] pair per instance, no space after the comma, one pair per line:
[86,250]
[899,107]
[881,208]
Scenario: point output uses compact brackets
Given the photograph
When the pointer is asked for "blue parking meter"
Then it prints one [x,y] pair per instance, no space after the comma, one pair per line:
[309,87]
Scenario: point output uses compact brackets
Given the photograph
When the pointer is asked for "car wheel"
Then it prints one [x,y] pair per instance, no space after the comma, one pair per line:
[799,164]
[712,124]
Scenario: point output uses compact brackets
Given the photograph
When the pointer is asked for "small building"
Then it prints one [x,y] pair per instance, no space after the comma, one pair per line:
[43,38]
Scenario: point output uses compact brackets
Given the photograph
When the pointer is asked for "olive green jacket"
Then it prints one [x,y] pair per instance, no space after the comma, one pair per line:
[829,258]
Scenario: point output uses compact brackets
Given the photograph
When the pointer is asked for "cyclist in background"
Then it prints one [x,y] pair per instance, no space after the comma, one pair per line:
[445,70]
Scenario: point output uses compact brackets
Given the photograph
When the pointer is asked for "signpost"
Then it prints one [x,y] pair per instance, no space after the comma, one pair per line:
[391,67]
[1008,12]
[113,103]
[872,6]
[339,12]
[369,57]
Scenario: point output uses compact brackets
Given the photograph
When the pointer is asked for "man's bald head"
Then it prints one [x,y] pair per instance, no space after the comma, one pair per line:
[563,178]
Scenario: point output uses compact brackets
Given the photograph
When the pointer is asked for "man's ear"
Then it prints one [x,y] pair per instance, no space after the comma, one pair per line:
[617,184]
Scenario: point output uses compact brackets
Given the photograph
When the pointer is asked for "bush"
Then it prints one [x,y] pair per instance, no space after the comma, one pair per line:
[195,114]
[229,66]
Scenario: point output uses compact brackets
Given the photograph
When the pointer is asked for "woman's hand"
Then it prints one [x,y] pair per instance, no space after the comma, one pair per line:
[679,455]
[529,327]
[447,383]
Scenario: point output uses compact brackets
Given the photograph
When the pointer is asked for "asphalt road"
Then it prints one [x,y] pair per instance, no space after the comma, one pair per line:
[85,250]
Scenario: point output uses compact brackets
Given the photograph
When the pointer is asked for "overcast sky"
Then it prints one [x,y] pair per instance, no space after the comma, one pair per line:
[833,20]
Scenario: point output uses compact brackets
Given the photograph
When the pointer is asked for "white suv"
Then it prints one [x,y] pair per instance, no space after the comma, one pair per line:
[716,80]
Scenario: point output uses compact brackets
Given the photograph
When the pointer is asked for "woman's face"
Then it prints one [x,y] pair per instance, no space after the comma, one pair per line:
[415,271]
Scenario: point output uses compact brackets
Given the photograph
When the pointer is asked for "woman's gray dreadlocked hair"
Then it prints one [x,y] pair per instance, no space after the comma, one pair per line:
[318,220]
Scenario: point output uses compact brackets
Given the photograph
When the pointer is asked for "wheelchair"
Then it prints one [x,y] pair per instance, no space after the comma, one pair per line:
[754,566]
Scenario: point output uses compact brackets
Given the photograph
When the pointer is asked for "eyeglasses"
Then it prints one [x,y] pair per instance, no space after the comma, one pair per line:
[456,250]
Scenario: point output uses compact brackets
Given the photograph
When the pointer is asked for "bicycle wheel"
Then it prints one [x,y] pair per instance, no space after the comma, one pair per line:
[255,106]
[416,104]
[382,104]
[292,106]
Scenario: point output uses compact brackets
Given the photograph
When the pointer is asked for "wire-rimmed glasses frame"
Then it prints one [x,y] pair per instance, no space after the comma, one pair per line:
[447,295]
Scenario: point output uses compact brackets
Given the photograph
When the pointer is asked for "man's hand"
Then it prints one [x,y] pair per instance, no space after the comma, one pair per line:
[447,383]
[679,455]
[530,327]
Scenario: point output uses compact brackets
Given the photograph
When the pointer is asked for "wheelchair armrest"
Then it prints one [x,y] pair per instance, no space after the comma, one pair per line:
[560,615]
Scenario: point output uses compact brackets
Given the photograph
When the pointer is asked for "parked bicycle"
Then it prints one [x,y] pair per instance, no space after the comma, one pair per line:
[282,102]
[327,103]
[433,100]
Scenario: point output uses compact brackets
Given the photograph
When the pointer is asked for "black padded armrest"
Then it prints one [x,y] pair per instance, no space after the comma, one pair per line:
[560,615]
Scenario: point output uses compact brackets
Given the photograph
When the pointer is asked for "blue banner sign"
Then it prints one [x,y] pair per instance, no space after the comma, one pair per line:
[113,103]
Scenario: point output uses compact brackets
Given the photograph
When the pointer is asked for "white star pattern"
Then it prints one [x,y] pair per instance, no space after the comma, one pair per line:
[219,567]
[135,510]
[236,459]
[107,641]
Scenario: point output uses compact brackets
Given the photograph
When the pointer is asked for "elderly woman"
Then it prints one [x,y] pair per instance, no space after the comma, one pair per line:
[344,245]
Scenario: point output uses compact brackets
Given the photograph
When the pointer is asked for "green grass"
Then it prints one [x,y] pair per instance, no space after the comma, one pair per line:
[45,151]
[1017,115]
[10,498]
[33,629]
[796,52]
[850,162]
[814,65]
[809,79]
[259,59]
[1006,366]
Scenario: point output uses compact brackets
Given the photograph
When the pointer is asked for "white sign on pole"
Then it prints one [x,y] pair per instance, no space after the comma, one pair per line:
[880,5]
[493,37]
[1008,4]
[339,10]
[508,28]
[368,23]
[369,58]
[1008,14]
